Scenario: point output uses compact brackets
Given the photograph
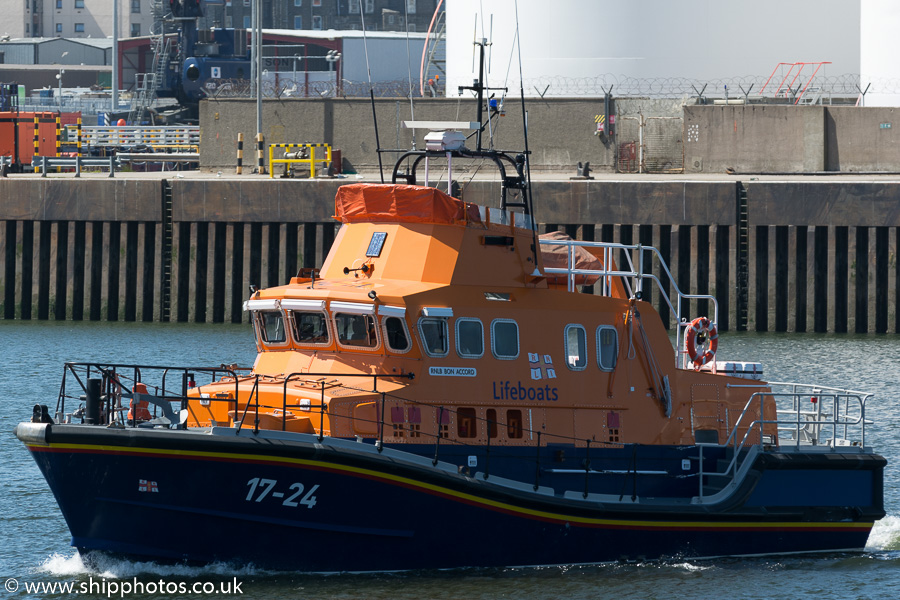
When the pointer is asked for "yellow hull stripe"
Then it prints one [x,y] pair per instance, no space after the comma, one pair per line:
[453,493]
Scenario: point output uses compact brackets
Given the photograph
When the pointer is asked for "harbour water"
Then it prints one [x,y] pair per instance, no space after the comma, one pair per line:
[34,540]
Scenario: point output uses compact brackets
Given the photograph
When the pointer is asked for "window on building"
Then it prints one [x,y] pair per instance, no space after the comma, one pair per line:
[309,327]
[353,7]
[395,334]
[246,21]
[59,28]
[576,347]
[505,339]
[466,425]
[607,347]
[79,3]
[58,4]
[317,22]
[79,27]
[298,22]
[469,338]
[135,29]
[514,424]
[136,6]
[370,6]
[298,2]
[356,330]
[411,6]
[411,28]
[246,2]
[433,331]
[317,2]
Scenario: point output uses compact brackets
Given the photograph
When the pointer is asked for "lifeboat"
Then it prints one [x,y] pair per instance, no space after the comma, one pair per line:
[441,393]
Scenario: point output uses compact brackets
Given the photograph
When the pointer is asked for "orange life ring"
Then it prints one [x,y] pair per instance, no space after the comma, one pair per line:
[701,341]
[141,407]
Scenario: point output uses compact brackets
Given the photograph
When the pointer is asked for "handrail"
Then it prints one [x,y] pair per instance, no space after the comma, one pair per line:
[638,274]
[812,421]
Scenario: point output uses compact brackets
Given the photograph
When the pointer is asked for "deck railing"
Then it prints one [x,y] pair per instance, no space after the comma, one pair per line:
[831,419]
[639,261]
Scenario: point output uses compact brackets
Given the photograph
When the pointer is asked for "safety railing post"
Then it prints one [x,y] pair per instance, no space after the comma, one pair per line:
[437,438]
[380,445]
[322,412]
[587,467]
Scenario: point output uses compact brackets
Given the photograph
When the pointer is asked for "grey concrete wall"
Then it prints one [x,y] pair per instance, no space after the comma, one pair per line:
[754,139]
[40,199]
[824,204]
[862,139]
[561,131]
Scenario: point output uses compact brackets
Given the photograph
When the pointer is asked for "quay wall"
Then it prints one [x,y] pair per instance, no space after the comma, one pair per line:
[779,256]
[753,138]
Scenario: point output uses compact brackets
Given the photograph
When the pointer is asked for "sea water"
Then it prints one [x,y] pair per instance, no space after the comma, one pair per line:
[34,539]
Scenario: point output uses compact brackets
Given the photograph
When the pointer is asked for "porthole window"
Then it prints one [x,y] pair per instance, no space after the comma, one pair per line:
[576,347]
[505,339]
[309,328]
[355,330]
[434,334]
[270,327]
[469,338]
[607,347]
[395,335]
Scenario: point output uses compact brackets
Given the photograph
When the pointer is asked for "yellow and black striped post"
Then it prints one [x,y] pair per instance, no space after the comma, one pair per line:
[240,154]
[58,141]
[78,139]
[37,140]
[260,165]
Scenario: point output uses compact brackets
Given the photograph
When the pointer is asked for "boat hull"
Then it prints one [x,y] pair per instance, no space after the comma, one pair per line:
[307,506]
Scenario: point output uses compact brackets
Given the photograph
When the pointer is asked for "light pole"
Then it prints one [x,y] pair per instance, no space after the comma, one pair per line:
[59,80]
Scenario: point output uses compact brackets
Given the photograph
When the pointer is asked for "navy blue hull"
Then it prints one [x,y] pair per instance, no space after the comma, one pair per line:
[308,507]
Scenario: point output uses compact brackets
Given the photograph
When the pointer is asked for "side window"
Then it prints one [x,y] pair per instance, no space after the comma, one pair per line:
[356,331]
[466,424]
[514,424]
[607,347]
[576,347]
[492,422]
[433,331]
[270,324]
[469,338]
[505,339]
[309,327]
[395,334]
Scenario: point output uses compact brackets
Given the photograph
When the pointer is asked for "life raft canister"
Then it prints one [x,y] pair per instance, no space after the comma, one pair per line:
[701,341]
[141,407]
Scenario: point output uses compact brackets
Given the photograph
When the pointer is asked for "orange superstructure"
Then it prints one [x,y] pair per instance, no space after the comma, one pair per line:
[419,283]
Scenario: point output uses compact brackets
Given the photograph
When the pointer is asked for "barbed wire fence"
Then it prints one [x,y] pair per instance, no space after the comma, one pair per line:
[848,85]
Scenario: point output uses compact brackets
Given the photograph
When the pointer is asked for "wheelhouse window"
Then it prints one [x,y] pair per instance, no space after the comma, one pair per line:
[396,335]
[607,347]
[469,338]
[505,339]
[270,327]
[435,336]
[309,327]
[576,347]
[356,330]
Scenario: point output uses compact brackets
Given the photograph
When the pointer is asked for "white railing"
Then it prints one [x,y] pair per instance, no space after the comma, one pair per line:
[632,278]
[186,135]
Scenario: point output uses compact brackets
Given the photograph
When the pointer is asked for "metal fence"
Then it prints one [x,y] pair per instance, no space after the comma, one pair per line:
[650,144]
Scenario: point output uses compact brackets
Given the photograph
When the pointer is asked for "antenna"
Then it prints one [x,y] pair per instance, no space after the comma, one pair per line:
[528,196]
[412,110]
[362,17]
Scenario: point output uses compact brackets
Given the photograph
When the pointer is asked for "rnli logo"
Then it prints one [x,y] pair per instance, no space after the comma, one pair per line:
[539,370]
[147,486]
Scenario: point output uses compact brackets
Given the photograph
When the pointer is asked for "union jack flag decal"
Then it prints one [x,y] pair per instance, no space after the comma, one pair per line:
[147,486]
